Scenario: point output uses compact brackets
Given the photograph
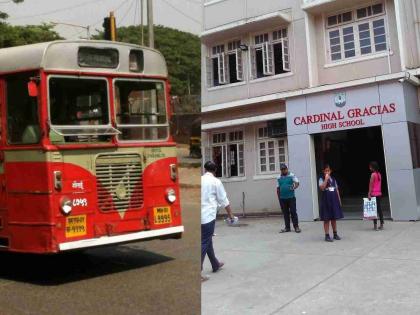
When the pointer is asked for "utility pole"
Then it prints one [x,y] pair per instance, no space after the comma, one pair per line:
[110,27]
[113,26]
[152,45]
[142,22]
[150,24]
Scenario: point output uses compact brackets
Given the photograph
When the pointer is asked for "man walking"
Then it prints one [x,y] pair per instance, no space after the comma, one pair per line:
[213,194]
[287,183]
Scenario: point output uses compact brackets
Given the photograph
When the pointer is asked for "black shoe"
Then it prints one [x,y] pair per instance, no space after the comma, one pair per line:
[328,238]
[221,264]
[381,227]
[297,229]
[284,230]
[336,237]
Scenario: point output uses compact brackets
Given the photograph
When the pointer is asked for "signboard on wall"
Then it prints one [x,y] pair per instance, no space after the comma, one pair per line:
[352,117]
[357,107]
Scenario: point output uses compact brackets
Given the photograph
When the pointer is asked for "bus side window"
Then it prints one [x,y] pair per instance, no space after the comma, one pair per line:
[22,111]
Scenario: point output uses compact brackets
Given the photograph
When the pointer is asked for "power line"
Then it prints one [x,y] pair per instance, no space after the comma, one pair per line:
[55,11]
[101,19]
[126,12]
[120,6]
[182,13]
[115,10]
[135,12]
[77,34]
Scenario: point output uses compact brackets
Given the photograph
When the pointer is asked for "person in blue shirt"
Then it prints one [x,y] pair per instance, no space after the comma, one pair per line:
[287,183]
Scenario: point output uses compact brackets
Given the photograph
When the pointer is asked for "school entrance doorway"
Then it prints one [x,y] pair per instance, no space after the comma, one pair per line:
[348,153]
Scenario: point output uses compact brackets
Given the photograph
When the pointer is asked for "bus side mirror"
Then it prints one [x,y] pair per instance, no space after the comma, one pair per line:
[32,89]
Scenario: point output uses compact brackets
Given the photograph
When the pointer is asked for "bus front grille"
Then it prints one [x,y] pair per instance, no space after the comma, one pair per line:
[119,181]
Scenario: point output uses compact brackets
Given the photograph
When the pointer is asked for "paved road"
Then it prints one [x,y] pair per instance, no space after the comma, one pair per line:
[157,277]
[367,272]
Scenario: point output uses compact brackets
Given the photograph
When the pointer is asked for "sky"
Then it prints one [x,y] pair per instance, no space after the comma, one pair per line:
[184,15]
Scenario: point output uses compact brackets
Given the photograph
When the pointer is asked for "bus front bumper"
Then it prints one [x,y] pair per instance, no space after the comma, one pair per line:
[123,238]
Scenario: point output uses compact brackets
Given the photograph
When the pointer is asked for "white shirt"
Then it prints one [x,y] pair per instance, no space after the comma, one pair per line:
[213,195]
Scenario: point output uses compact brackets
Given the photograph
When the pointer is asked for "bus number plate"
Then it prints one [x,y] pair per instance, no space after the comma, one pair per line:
[162,215]
[76,225]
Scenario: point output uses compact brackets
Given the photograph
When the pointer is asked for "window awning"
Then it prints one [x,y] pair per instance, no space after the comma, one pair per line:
[243,26]
[242,121]
[321,6]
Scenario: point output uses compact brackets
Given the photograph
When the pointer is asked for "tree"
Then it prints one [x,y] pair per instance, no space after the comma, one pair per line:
[22,35]
[4,15]
[181,51]
[27,34]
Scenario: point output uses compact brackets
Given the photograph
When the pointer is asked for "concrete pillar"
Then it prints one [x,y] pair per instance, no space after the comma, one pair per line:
[302,164]
[401,183]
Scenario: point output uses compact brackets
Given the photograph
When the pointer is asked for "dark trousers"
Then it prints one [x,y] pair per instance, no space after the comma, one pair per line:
[207,231]
[379,209]
[288,206]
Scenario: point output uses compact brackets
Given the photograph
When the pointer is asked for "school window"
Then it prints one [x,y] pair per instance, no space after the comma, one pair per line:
[227,152]
[218,70]
[234,59]
[270,54]
[357,33]
[225,65]
[271,152]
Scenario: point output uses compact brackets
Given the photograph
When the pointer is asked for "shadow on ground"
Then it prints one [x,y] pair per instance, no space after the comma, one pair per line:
[51,270]
[238,225]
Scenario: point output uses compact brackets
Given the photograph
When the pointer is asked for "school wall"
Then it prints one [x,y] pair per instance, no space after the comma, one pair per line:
[230,11]
[361,67]
[259,190]
[403,182]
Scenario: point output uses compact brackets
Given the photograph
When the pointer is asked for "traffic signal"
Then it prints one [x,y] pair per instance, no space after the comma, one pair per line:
[113,26]
[107,28]
[110,27]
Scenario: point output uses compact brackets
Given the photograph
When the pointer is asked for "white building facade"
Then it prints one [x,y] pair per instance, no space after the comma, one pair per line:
[307,83]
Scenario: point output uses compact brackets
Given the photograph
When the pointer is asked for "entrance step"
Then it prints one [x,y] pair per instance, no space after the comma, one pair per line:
[353,207]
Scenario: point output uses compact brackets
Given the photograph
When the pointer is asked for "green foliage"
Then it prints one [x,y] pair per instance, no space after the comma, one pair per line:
[22,35]
[4,15]
[28,34]
[181,51]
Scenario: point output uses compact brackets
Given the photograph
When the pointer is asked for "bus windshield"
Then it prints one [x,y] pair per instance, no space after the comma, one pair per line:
[141,110]
[79,109]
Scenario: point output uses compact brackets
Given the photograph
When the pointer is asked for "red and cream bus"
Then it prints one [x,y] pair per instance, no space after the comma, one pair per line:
[86,158]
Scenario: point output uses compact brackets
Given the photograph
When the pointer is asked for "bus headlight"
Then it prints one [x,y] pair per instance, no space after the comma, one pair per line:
[171,195]
[66,205]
